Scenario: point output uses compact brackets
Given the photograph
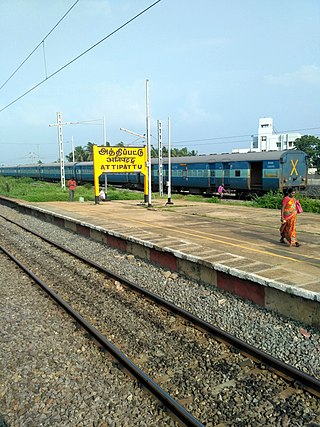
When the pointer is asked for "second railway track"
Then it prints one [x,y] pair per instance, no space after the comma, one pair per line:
[214,382]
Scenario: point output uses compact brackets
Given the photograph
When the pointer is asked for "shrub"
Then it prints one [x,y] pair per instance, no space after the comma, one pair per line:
[271,200]
[309,205]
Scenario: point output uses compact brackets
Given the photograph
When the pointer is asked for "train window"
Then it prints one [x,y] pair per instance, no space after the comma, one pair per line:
[237,173]
[212,173]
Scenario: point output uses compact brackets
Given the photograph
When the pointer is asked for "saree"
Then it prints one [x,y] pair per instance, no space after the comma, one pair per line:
[288,228]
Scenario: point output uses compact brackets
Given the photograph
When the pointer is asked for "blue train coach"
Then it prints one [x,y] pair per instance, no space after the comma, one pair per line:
[241,173]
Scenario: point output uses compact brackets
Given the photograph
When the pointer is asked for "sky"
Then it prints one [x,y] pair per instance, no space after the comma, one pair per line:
[214,67]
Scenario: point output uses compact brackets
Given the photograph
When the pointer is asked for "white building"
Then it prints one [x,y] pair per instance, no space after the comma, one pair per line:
[269,140]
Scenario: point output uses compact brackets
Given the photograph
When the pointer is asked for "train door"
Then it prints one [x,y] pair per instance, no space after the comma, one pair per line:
[179,176]
[184,172]
[226,174]
[255,179]
[41,173]
[212,172]
[77,172]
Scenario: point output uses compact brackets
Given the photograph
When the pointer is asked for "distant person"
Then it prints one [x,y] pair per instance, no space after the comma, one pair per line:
[72,186]
[221,190]
[288,219]
[102,196]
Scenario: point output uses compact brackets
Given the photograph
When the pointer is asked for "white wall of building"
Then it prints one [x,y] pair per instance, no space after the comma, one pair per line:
[269,140]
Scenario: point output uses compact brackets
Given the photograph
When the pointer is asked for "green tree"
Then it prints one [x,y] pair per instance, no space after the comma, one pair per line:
[155,152]
[80,154]
[69,158]
[89,151]
[175,152]
[310,145]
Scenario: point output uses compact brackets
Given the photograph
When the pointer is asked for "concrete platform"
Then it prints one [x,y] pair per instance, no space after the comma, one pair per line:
[235,248]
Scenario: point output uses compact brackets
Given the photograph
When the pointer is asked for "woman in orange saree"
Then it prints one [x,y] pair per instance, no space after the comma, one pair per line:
[288,219]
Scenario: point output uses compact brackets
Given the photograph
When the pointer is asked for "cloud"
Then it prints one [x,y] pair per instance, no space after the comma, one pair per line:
[194,111]
[306,74]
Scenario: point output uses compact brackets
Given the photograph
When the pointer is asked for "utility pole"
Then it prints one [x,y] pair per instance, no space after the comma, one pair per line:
[105,143]
[33,157]
[148,142]
[38,152]
[61,153]
[169,202]
[160,158]
[72,146]
[60,139]
[145,189]
[104,131]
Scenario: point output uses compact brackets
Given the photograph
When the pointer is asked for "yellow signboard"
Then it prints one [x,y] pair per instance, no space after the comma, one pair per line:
[118,160]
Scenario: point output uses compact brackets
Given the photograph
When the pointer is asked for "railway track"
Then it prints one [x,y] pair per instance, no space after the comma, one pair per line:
[52,375]
[205,369]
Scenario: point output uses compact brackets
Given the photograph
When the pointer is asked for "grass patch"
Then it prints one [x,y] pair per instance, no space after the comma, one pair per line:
[41,191]
[273,200]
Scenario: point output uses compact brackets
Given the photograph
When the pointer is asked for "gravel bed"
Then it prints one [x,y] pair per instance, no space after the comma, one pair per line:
[51,375]
[287,340]
[188,365]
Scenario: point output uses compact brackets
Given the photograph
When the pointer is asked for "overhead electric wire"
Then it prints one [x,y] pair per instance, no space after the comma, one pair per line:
[41,43]
[178,144]
[214,138]
[297,130]
[79,56]
[220,138]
